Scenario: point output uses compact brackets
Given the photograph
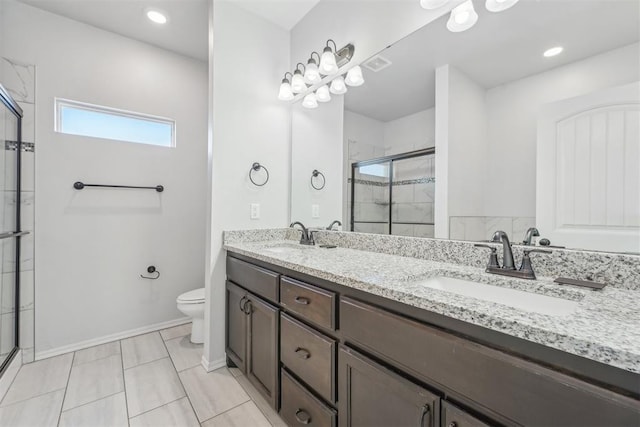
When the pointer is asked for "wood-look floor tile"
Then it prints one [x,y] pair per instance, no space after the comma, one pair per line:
[94,380]
[176,331]
[98,352]
[151,385]
[108,412]
[244,415]
[184,353]
[142,349]
[178,413]
[212,393]
[40,411]
[38,378]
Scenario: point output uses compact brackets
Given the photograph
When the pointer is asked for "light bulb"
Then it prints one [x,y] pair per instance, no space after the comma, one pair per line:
[310,101]
[462,17]
[354,77]
[432,4]
[328,65]
[157,16]
[553,51]
[311,73]
[297,82]
[499,5]
[322,94]
[337,86]
[285,94]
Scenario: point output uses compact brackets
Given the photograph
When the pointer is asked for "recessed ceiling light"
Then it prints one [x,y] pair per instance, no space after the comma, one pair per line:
[553,51]
[156,16]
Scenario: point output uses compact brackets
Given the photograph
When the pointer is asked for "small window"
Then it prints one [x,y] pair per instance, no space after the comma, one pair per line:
[380,170]
[76,118]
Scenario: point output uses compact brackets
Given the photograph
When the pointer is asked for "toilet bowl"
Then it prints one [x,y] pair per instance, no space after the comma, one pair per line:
[192,304]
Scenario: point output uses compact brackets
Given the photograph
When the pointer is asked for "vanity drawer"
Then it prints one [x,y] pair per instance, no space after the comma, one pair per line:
[312,303]
[258,280]
[519,390]
[309,355]
[452,416]
[299,407]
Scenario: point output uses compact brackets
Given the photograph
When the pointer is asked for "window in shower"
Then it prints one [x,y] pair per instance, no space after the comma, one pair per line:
[78,118]
[394,194]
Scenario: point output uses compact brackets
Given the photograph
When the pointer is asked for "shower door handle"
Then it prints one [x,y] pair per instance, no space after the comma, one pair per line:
[13,234]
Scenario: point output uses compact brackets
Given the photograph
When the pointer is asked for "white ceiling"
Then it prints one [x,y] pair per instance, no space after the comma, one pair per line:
[186,32]
[500,48]
[284,13]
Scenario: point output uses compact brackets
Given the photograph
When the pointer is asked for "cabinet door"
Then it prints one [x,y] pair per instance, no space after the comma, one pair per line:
[371,395]
[236,328]
[263,347]
[452,416]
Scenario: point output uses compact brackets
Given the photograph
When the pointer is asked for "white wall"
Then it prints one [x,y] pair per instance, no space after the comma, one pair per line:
[318,136]
[409,133]
[249,124]
[92,245]
[512,120]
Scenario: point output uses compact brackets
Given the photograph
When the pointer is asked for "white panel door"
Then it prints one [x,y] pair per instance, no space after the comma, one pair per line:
[588,170]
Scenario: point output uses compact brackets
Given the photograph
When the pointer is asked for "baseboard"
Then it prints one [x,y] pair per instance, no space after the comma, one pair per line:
[214,364]
[109,338]
[10,373]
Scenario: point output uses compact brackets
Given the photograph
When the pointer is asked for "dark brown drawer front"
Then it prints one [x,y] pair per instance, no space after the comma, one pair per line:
[314,304]
[522,391]
[299,407]
[452,416]
[258,280]
[309,355]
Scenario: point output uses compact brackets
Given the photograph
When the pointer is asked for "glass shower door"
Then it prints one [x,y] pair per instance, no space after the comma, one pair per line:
[370,212]
[413,192]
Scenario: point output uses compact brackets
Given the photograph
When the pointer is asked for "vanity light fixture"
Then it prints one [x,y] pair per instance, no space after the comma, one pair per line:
[553,51]
[499,5]
[328,63]
[285,94]
[297,81]
[337,86]
[311,73]
[156,16]
[462,17]
[310,101]
[432,4]
[354,77]
[322,94]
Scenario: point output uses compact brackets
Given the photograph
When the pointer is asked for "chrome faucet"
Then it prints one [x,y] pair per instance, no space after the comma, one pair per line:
[507,254]
[306,238]
[330,227]
[528,237]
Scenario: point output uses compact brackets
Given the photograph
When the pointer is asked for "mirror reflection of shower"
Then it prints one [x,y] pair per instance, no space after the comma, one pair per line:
[393,194]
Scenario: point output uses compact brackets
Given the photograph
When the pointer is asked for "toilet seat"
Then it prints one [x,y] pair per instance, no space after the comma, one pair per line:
[192,297]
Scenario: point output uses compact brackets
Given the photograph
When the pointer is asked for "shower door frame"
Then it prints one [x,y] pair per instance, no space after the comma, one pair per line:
[380,160]
[15,109]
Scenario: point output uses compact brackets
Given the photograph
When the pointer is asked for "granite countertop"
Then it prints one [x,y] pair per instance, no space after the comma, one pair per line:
[605,327]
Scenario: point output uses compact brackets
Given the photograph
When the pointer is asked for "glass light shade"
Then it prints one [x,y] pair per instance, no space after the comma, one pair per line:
[432,4]
[157,16]
[328,65]
[462,17]
[337,86]
[310,101]
[553,51]
[285,94]
[297,82]
[499,5]
[311,73]
[354,77]
[322,94]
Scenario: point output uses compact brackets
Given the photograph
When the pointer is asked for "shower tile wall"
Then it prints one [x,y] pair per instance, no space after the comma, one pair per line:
[483,227]
[19,80]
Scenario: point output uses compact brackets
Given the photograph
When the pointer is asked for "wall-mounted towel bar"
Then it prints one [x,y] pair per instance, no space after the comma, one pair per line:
[78,185]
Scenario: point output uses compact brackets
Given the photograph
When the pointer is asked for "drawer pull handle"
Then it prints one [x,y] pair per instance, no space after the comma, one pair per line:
[302,353]
[425,410]
[302,300]
[303,416]
[242,303]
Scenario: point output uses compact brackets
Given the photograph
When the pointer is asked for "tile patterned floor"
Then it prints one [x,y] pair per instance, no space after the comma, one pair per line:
[149,380]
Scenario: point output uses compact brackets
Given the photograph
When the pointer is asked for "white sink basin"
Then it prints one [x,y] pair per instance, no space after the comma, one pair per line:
[527,301]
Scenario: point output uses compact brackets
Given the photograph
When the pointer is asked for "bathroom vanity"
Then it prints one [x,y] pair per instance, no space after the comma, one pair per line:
[351,337]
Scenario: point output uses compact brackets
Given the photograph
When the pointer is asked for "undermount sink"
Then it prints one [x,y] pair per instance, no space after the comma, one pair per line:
[280,248]
[522,300]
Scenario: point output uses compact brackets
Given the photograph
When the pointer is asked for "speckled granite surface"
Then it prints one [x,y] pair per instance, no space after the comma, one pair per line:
[605,327]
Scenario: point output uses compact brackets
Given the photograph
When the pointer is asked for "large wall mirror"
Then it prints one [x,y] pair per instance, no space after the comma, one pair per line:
[457,135]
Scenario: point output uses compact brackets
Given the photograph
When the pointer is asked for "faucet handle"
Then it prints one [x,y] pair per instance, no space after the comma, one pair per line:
[493,256]
[526,265]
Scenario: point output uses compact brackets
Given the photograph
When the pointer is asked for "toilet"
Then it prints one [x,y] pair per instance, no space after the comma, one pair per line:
[192,304]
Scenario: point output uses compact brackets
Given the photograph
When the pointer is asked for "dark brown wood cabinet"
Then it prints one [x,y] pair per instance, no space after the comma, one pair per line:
[236,330]
[372,395]
[452,416]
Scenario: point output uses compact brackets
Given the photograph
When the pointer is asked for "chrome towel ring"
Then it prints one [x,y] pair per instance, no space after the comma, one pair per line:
[315,174]
[255,167]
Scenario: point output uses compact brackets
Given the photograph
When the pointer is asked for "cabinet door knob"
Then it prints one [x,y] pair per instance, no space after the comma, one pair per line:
[303,416]
[302,353]
[453,424]
[425,411]
[302,300]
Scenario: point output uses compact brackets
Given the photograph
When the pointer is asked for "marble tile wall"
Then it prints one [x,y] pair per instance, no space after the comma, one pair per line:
[19,80]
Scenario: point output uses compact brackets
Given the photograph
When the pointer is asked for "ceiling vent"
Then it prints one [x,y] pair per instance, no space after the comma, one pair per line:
[377,63]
